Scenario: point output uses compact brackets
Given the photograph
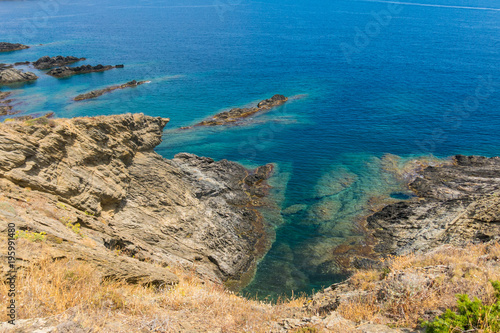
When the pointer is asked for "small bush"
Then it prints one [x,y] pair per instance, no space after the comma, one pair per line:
[472,316]
[31,236]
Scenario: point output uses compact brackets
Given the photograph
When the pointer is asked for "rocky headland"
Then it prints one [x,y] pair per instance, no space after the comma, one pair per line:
[10,75]
[61,72]
[455,204]
[101,194]
[47,62]
[96,192]
[9,47]
[235,114]
[100,92]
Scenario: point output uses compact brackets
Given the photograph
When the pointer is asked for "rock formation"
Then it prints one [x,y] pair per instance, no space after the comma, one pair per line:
[47,62]
[233,115]
[65,71]
[6,107]
[456,204]
[100,92]
[11,75]
[101,193]
[8,47]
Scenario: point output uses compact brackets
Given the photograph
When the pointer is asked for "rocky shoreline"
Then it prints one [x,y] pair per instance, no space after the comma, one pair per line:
[100,92]
[96,188]
[455,204]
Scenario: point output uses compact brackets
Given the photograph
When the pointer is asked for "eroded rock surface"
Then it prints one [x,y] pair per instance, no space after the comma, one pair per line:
[11,75]
[456,203]
[47,62]
[136,211]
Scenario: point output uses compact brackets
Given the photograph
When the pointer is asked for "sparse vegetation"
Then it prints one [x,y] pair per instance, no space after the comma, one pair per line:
[75,227]
[471,316]
[50,287]
[31,236]
[415,287]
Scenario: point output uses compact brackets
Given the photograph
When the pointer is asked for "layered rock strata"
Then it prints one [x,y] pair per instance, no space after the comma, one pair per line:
[101,193]
[455,204]
[11,75]
[100,92]
[233,115]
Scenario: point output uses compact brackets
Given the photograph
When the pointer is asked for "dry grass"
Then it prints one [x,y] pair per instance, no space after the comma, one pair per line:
[413,287]
[47,288]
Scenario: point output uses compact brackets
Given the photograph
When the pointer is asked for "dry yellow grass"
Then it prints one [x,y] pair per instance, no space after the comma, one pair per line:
[68,288]
[414,286]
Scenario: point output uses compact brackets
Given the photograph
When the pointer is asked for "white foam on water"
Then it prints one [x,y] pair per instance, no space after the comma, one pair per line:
[433,5]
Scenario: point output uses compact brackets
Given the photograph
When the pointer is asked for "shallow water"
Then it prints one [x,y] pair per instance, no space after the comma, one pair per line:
[426,81]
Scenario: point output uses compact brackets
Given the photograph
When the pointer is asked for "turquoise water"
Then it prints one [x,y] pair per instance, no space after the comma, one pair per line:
[421,79]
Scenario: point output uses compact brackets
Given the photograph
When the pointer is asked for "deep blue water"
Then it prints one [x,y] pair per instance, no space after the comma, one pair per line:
[425,80]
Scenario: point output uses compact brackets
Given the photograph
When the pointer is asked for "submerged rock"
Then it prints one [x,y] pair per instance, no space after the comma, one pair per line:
[47,62]
[9,47]
[70,71]
[233,115]
[101,193]
[11,75]
[100,92]
[6,108]
[456,204]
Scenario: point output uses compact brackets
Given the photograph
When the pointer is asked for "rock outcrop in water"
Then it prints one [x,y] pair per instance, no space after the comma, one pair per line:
[11,75]
[233,115]
[47,62]
[65,71]
[101,193]
[100,92]
[9,47]
[456,204]
[6,109]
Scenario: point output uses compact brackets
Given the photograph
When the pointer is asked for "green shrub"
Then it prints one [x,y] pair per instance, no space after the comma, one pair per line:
[31,236]
[471,316]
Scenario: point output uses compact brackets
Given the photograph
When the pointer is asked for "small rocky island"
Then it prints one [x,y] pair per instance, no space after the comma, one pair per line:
[47,62]
[9,47]
[233,115]
[65,71]
[10,75]
[100,92]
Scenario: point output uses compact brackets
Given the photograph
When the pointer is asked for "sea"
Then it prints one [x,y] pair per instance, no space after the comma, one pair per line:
[373,85]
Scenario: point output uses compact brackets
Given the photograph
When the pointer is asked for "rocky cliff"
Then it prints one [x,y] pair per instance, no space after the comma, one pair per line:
[455,204]
[100,193]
